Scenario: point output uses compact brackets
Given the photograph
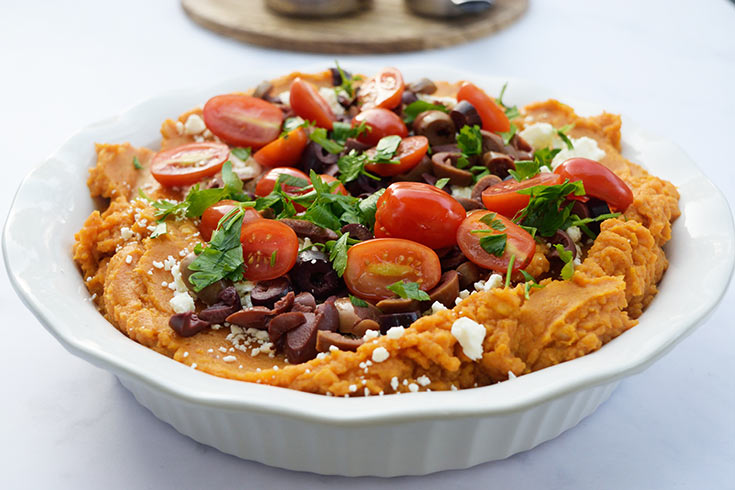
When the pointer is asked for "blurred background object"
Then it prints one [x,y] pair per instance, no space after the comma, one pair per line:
[355,26]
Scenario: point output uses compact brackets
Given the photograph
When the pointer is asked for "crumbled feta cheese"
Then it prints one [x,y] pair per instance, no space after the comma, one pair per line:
[380,354]
[330,97]
[157,264]
[584,147]
[394,383]
[453,388]
[229,358]
[194,124]
[511,375]
[169,263]
[194,365]
[179,127]
[464,293]
[539,135]
[186,354]
[243,289]
[458,191]
[129,259]
[352,388]
[574,233]
[333,348]
[470,335]
[181,302]
[305,243]
[395,332]
[126,233]
[285,98]
[423,380]
[494,281]
[370,334]
[245,169]
[413,387]
[436,307]
[222,349]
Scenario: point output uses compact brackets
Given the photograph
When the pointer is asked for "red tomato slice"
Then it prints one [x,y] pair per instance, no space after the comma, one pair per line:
[381,122]
[283,152]
[519,243]
[380,231]
[409,153]
[243,120]
[269,249]
[268,181]
[492,115]
[599,181]
[307,103]
[503,198]
[373,265]
[383,90]
[188,164]
[420,212]
[213,214]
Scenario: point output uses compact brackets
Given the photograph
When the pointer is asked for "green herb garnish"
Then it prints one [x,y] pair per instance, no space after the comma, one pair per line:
[530,283]
[136,163]
[568,258]
[562,133]
[511,112]
[222,258]
[469,140]
[548,209]
[415,108]
[241,153]
[346,84]
[386,149]
[408,290]
[338,253]
[508,135]
[442,182]
[525,169]
[357,301]
[494,244]
[510,270]
[341,131]
[319,136]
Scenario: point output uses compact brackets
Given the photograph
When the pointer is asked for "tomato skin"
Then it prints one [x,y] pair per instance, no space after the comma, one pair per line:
[259,240]
[242,120]
[283,152]
[381,122]
[306,102]
[599,181]
[170,167]
[384,90]
[518,242]
[420,212]
[409,153]
[503,198]
[266,183]
[373,265]
[339,189]
[214,213]
[492,115]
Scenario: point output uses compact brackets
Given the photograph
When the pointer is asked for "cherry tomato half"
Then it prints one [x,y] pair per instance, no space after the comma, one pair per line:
[503,198]
[306,102]
[339,189]
[373,265]
[383,90]
[243,120]
[420,212]
[214,213]
[381,122]
[283,152]
[268,181]
[492,115]
[409,153]
[599,181]
[518,242]
[188,164]
[269,249]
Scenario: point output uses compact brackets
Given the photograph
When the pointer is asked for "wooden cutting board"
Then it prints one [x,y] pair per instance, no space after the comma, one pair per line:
[386,27]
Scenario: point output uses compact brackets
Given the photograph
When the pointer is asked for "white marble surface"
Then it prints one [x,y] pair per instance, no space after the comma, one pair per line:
[668,64]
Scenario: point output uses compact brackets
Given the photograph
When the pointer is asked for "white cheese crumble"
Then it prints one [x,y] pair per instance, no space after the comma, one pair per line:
[129,259]
[436,307]
[352,388]
[544,135]
[574,233]
[449,102]
[370,334]
[126,233]
[243,289]
[394,383]
[285,98]
[470,335]
[459,191]
[245,169]
[395,332]
[511,375]
[413,387]
[330,97]
[540,135]
[182,301]
[194,124]
[380,354]
[584,147]
[423,380]
[179,127]
[229,358]
[494,281]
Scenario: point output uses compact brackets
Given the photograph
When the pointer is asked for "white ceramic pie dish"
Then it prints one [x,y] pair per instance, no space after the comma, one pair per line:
[391,435]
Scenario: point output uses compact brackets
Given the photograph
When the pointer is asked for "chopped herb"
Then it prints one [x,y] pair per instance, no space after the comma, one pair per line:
[469,140]
[159,230]
[562,132]
[136,163]
[222,258]
[511,112]
[338,253]
[293,181]
[368,207]
[386,148]
[508,135]
[576,220]
[352,165]
[442,182]
[530,283]
[567,257]
[346,84]
[341,131]
[274,256]
[417,107]
[491,219]
[241,153]
[510,270]
[357,301]
[463,161]
[525,169]
[494,244]
[548,209]
[408,290]
[319,136]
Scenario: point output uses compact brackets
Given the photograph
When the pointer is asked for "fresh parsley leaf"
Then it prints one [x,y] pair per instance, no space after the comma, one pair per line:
[241,153]
[568,258]
[548,209]
[274,257]
[292,181]
[368,207]
[342,130]
[357,301]
[159,230]
[338,253]
[491,219]
[442,182]
[417,107]
[494,244]
[222,258]
[576,220]
[352,165]
[386,148]
[136,163]
[508,135]
[408,290]
[469,140]
[544,156]
[562,132]
[319,136]
[530,283]
[511,262]
[511,112]
[525,169]
[462,161]
[346,84]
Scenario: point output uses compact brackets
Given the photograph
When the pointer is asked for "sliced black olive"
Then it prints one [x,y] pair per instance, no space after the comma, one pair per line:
[316,158]
[357,231]
[422,86]
[266,293]
[482,184]
[313,273]
[436,126]
[408,97]
[391,320]
[498,163]
[464,114]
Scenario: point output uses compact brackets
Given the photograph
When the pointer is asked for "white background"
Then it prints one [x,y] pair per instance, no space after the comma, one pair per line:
[670,65]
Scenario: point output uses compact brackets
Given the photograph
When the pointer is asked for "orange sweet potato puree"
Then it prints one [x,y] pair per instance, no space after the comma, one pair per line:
[562,321]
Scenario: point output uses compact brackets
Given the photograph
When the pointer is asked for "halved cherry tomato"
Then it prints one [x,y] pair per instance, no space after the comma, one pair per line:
[492,115]
[214,213]
[268,181]
[188,164]
[381,122]
[283,152]
[599,181]
[339,189]
[306,102]
[420,212]
[518,242]
[503,198]
[243,120]
[373,265]
[383,90]
[409,153]
[269,249]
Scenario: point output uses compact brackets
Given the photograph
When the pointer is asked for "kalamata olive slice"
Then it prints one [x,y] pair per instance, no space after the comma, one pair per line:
[397,320]
[469,204]
[301,342]
[452,259]
[436,126]
[187,324]
[417,173]
[263,90]
[337,76]
[304,302]
[283,323]
[520,144]
[327,316]
[468,274]
[284,304]
[408,97]
[313,273]
[422,86]
[354,144]
[464,114]
[326,339]
[562,238]
[498,163]
[255,317]
[307,229]
[483,184]
[447,290]
[316,158]
[364,325]
[596,207]
[443,166]
[397,305]
[492,142]
[266,293]
[357,231]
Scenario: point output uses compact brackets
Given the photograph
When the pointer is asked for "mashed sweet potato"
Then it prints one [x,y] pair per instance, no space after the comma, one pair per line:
[130,275]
